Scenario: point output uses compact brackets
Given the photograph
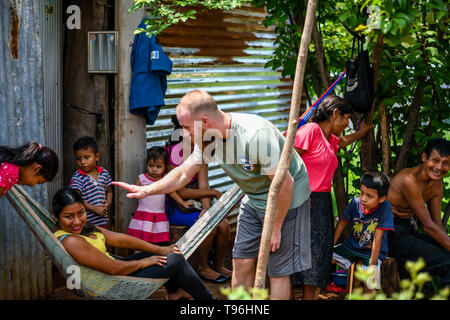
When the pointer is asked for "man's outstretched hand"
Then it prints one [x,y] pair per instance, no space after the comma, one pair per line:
[135,192]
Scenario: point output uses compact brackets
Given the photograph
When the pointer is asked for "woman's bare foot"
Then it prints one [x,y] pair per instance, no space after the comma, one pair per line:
[178,295]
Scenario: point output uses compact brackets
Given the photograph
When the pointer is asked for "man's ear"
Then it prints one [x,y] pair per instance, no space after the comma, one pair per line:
[97,156]
[36,168]
[205,122]
[424,157]
[381,199]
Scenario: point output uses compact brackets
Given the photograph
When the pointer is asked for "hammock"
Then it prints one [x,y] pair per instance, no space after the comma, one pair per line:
[98,285]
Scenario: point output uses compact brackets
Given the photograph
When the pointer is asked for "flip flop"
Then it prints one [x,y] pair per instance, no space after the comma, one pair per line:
[220,279]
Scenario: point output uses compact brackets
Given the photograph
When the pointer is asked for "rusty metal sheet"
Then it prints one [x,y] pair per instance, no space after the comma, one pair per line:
[25,270]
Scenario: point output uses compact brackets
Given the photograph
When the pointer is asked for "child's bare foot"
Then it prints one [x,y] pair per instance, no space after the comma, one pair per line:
[179,295]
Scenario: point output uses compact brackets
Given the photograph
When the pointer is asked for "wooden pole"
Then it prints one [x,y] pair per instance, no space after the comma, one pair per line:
[286,154]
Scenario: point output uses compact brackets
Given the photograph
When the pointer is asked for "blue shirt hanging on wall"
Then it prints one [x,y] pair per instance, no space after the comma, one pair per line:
[150,67]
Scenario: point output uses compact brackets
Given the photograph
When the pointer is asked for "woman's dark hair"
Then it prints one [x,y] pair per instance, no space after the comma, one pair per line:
[441,145]
[376,180]
[30,153]
[84,143]
[65,197]
[325,109]
[170,142]
[156,153]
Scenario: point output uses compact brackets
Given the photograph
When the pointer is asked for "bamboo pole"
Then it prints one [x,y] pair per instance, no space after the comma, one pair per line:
[286,154]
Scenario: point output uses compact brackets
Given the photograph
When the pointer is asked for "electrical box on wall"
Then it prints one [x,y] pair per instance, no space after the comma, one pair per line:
[102,51]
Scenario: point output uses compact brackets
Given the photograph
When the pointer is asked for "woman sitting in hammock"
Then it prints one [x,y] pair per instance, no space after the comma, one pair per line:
[87,245]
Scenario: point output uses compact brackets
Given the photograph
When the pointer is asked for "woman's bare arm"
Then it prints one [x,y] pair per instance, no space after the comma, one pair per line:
[349,139]
[87,255]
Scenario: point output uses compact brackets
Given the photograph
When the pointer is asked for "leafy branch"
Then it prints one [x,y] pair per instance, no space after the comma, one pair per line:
[163,14]
[412,289]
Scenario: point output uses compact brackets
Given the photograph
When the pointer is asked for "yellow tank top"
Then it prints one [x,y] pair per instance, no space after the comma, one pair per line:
[98,243]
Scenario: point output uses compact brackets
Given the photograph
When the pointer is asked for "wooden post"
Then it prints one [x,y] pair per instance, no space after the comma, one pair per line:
[286,154]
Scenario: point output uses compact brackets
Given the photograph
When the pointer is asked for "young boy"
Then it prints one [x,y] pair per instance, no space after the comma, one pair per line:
[92,182]
[370,215]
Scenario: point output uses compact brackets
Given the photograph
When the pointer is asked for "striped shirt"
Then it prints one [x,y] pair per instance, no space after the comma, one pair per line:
[93,192]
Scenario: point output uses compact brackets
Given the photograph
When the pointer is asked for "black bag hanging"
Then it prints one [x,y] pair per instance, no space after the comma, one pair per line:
[359,88]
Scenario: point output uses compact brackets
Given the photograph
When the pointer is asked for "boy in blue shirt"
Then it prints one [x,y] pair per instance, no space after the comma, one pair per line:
[370,216]
[92,182]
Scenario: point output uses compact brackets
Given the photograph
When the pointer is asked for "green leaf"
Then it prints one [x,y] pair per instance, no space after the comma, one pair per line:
[386,25]
[433,51]
[430,19]
[408,41]
[436,61]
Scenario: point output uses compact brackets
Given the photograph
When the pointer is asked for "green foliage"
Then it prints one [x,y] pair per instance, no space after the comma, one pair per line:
[415,51]
[411,289]
[163,14]
[240,293]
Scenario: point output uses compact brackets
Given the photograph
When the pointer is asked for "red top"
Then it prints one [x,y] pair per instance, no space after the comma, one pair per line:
[319,156]
[9,175]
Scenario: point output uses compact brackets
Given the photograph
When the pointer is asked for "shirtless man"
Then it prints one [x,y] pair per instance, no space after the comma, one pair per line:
[417,192]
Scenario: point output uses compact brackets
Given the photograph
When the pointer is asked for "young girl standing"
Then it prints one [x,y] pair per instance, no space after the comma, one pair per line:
[149,222]
[26,165]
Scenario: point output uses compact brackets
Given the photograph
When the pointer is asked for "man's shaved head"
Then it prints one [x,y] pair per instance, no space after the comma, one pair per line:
[198,103]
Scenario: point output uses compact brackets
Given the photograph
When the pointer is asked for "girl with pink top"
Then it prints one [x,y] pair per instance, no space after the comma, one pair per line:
[26,165]
[317,143]
[149,222]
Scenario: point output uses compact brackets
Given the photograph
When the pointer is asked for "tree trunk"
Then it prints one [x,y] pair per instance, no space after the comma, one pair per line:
[385,141]
[413,117]
[339,189]
[368,150]
[338,178]
[446,215]
[286,155]
[314,79]
[320,56]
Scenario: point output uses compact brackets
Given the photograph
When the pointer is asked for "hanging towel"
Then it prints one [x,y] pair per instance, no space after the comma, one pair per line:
[150,67]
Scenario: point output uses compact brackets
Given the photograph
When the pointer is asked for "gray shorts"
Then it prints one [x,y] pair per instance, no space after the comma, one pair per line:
[294,254]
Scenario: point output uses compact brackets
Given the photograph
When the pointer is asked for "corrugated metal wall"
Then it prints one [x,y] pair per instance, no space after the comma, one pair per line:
[25,271]
[51,27]
[223,53]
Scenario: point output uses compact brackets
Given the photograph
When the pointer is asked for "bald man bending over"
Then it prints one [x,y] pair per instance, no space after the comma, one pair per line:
[248,148]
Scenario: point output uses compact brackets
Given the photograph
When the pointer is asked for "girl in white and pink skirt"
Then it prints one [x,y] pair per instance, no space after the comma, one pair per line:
[149,222]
